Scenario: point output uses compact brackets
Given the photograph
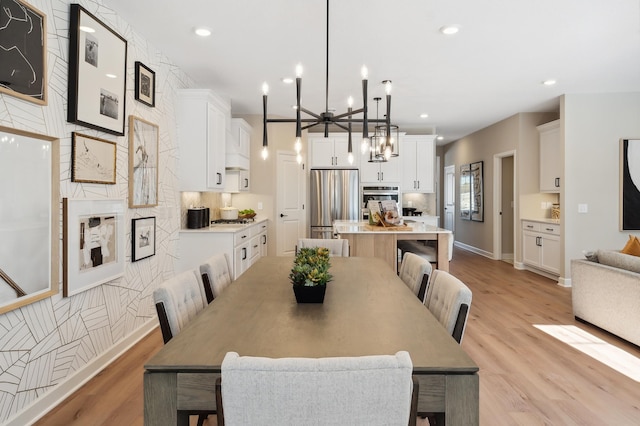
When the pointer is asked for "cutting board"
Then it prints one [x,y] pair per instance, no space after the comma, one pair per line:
[387,228]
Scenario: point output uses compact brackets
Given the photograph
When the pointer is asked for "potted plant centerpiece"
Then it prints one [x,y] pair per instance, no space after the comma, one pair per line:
[310,274]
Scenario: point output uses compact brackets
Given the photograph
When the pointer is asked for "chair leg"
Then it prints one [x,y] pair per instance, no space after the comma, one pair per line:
[201,419]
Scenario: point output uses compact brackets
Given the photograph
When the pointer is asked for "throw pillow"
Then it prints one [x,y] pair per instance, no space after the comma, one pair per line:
[632,247]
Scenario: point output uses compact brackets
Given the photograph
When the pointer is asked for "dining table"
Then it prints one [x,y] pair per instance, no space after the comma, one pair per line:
[367,310]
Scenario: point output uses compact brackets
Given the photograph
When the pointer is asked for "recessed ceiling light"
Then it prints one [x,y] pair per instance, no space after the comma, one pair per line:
[202,31]
[424,115]
[549,82]
[287,80]
[440,138]
[449,29]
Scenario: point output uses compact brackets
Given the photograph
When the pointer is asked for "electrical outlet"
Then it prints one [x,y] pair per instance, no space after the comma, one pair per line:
[260,206]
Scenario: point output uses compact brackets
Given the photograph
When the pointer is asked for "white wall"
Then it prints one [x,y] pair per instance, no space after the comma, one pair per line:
[43,344]
[593,127]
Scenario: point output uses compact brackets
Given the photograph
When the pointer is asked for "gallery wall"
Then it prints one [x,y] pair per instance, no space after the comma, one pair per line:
[46,345]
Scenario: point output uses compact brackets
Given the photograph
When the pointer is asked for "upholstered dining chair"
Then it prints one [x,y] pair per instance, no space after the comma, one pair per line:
[337,247]
[449,300]
[371,390]
[177,301]
[216,275]
[415,272]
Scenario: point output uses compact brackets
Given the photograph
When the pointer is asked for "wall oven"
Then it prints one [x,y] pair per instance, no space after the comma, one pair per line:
[378,193]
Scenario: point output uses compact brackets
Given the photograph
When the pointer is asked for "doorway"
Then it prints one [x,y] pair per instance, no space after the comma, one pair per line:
[504,184]
[290,212]
[449,197]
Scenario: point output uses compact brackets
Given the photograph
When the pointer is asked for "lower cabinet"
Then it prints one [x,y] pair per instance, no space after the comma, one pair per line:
[243,248]
[541,246]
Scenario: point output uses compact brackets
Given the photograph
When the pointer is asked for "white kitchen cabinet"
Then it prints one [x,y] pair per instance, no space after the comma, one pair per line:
[202,128]
[417,154]
[332,151]
[237,181]
[238,146]
[541,246]
[378,172]
[550,156]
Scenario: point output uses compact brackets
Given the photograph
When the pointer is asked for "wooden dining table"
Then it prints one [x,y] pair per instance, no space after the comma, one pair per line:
[367,310]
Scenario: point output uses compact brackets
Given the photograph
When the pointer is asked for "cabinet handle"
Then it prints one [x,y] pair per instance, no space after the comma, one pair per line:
[382,175]
[243,237]
[244,253]
[530,226]
[264,239]
[246,182]
[539,241]
[418,182]
[219,178]
[256,246]
[549,229]
[557,182]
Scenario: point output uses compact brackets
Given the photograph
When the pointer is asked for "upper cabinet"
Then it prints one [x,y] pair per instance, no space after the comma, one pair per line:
[384,172]
[550,156]
[417,154]
[202,128]
[239,145]
[332,151]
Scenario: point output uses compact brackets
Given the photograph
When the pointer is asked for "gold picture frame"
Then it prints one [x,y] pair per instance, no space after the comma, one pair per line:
[93,160]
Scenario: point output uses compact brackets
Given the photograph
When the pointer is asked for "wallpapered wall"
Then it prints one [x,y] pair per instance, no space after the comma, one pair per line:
[43,343]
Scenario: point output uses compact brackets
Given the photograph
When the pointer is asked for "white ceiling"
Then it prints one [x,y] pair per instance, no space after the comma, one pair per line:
[490,70]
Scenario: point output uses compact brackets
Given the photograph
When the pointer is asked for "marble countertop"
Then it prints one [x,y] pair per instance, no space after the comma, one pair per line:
[226,227]
[544,220]
[360,227]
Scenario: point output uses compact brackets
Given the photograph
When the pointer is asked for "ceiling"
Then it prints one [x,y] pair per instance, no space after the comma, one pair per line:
[491,69]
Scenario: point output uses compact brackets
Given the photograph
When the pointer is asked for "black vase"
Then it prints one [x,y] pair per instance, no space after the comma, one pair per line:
[308,294]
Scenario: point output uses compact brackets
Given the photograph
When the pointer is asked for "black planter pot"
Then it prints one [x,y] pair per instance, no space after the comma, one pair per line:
[307,294]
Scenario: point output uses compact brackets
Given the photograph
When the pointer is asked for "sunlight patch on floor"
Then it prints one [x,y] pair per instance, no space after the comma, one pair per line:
[596,348]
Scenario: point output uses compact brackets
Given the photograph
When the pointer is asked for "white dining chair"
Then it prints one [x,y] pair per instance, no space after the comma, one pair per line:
[216,275]
[415,272]
[365,390]
[337,247]
[449,300]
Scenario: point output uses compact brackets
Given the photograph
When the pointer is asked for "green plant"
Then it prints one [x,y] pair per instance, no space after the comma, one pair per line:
[311,267]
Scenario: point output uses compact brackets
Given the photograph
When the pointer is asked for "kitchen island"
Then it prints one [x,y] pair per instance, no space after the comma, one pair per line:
[380,242]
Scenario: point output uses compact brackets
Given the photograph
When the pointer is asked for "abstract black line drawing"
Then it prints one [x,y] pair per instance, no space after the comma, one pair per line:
[23,48]
[93,160]
[143,163]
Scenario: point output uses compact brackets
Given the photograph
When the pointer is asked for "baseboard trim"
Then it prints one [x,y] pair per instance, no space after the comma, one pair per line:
[40,407]
[475,250]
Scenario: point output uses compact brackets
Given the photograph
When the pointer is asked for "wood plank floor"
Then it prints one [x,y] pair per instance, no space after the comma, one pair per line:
[526,376]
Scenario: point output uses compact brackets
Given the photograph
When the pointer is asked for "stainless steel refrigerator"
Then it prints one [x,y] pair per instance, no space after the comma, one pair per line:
[334,196]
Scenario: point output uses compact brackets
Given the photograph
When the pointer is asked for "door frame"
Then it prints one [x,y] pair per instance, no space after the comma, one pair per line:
[445,186]
[497,204]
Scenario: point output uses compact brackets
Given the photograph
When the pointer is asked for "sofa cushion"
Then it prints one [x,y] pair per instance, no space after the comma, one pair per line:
[620,260]
[632,247]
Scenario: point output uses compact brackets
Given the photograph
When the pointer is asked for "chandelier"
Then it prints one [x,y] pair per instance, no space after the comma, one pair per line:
[381,146]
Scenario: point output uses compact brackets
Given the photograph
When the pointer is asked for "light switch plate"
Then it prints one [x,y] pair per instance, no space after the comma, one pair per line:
[583,208]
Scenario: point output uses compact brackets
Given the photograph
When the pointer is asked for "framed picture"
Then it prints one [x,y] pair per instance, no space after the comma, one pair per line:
[29,217]
[629,184]
[465,192]
[23,54]
[93,160]
[477,191]
[143,238]
[92,243]
[97,73]
[143,163]
[145,84]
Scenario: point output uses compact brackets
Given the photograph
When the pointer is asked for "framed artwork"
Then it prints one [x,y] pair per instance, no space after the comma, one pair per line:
[93,160]
[143,238]
[29,217]
[143,163]
[145,84]
[92,243]
[97,73]
[465,192]
[23,51]
[629,184]
[477,191]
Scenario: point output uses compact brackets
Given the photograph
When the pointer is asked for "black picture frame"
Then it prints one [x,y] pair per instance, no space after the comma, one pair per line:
[145,85]
[23,73]
[143,238]
[97,73]
[629,184]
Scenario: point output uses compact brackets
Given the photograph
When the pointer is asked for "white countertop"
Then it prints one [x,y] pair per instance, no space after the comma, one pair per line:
[226,227]
[544,220]
[358,227]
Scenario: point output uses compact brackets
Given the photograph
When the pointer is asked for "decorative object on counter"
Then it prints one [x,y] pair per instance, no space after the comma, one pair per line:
[247,214]
[198,217]
[629,184]
[310,274]
[472,191]
[145,90]
[228,213]
[93,160]
[143,238]
[384,213]
[328,117]
[24,55]
[555,211]
[143,163]
[97,73]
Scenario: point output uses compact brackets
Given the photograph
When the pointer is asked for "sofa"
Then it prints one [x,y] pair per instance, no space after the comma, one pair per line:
[606,293]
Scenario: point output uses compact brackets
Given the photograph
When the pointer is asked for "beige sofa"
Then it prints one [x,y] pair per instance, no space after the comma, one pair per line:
[606,293]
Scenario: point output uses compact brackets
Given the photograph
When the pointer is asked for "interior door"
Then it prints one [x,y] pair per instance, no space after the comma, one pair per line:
[449,197]
[290,214]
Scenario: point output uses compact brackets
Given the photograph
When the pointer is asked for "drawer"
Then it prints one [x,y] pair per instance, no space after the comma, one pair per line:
[531,226]
[550,228]
[241,237]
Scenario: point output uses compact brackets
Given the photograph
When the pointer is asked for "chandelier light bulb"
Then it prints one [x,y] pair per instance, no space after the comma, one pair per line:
[350,158]
[387,87]
[265,88]
[387,152]
[299,158]
[350,101]
[365,72]
[299,70]
[265,153]
[298,145]
[365,145]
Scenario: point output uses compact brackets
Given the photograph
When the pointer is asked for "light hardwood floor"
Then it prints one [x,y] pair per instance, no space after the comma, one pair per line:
[526,376]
